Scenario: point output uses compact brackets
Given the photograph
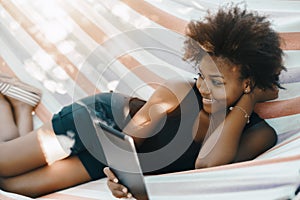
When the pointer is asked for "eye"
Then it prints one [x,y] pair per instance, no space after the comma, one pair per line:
[216,82]
[201,75]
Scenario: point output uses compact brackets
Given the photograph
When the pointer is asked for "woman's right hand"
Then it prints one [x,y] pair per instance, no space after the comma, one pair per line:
[117,189]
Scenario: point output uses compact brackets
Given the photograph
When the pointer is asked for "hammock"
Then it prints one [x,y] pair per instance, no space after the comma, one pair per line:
[71,49]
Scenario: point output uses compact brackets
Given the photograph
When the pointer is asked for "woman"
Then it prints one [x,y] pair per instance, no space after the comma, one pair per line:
[207,122]
[240,69]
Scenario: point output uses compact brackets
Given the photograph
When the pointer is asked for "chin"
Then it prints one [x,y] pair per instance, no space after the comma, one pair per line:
[213,110]
[207,109]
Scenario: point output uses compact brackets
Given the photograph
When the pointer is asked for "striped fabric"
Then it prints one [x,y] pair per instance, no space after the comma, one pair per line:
[72,49]
[19,93]
[4,87]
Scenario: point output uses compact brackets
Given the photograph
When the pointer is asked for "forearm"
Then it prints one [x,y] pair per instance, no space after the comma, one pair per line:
[141,128]
[221,147]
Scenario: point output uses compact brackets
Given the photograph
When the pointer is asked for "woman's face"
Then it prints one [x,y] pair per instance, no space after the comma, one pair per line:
[219,84]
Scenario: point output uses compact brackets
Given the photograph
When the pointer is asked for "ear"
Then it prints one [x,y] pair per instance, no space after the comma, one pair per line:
[247,85]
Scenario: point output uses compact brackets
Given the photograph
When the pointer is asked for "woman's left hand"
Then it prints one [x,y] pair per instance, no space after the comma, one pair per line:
[261,95]
[117,189]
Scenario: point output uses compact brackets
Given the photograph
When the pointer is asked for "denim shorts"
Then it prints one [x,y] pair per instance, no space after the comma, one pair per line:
[74,121]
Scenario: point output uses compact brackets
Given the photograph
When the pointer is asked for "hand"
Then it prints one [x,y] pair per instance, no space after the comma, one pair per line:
[118,190]
[261,95]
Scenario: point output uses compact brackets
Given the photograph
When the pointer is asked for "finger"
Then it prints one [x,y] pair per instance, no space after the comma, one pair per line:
[119,194]
[117,186]
[117,189]
[110,175]
[129,195]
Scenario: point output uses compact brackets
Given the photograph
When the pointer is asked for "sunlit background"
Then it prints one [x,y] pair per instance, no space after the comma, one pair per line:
[54,44]
[74,48]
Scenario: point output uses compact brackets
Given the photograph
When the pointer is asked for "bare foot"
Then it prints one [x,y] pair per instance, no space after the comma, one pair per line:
[23,115]
[8,128]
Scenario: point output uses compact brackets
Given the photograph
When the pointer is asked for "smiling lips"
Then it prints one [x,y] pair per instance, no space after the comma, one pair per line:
[207,101]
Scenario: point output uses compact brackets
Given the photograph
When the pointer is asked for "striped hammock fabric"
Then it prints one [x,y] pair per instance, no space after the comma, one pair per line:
[72,49]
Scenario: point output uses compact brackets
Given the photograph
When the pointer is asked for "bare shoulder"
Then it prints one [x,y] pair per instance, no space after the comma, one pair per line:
[171,93]
[163,100]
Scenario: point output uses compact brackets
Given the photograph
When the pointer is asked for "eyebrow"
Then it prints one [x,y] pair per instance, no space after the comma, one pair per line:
[216,76]
[213,75]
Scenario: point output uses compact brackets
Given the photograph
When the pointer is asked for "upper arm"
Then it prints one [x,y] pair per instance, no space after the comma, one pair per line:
[151,117]
[164,99]
[255,140]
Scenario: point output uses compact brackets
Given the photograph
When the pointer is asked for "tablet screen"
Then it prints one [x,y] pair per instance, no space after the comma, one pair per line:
[122,158]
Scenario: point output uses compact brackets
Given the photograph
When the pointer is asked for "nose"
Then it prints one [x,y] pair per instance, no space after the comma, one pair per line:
[204,89]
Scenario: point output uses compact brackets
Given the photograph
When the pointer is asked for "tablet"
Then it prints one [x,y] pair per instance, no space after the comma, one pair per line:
[121,157]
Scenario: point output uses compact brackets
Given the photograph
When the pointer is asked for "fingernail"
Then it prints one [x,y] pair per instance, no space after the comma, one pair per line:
[124,190]
[115,180]
[129,195]
[105,168]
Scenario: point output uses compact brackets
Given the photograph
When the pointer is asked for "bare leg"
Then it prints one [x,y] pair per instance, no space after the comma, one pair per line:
[60,175]
[22,114]
[8,128]
[29,152]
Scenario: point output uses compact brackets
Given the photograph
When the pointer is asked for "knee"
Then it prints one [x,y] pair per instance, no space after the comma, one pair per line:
[2,183]
[5,185]
[3,172]
[14,186]
[6,168]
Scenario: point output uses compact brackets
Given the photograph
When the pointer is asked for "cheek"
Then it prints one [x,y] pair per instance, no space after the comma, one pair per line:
[227,96]
[219,94]
[233,95]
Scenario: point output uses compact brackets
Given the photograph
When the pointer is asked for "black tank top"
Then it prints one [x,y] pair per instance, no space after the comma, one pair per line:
[172,148]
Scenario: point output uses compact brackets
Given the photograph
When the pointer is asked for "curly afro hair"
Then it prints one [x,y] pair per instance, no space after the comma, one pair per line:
[244,38]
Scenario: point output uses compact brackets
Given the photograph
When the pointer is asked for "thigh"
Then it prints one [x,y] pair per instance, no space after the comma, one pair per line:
[60,175]
[113,108]
[29,152]
[75,123]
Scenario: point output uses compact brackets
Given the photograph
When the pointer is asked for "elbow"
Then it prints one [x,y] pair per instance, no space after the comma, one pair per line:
[271,141]
[206,163]
[203,163]
[200,165]
[215,158]
[274,138]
